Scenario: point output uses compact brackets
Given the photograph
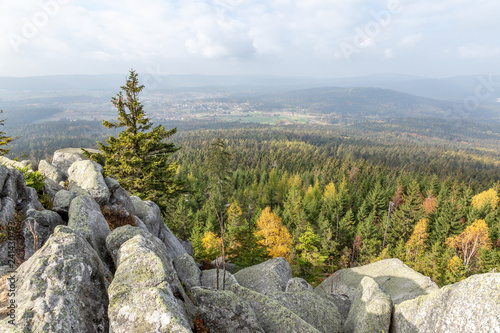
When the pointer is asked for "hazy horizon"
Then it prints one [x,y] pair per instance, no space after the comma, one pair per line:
[318,39]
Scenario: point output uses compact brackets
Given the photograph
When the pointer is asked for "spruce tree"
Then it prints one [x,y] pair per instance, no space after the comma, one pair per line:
[139,158]
[4,139]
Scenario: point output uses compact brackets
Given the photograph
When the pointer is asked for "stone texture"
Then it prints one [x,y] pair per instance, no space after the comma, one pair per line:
[14,186]
[342,302]
[8,210]
[42,223]
[30,201]
[267,277]
[51,172]
[315,309]
[150,214]
[61,288]
[398,280]
[297,284]
[224,312]
[119,236]
[271,315]
[187,271]
[62,202]
[209,279]
[143,296]
[371,309]
[64,158]
[472,305]
[85,218]
[121,199]
[87,176]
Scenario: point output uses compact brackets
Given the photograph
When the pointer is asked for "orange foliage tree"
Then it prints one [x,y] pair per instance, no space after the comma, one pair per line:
[470,241]
[274,235]
[211,245]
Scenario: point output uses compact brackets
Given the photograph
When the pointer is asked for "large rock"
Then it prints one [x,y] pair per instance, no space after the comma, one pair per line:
[267,277]
[119,197]
[39,223]
[14,186]
[51,172]
[61,288]
[472,305]
[150,214]
[187,271]
[371,309]
[398,280]
[119,236]
[30,201]
[85,218]
[62,202]
[224,312]
[64,158]
[298,284]
[4,173]
[312,308]
[7,211]
[87,176]
[142,294]
[271,315]
[209,279]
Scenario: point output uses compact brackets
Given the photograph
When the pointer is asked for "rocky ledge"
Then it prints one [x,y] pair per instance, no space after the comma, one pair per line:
[78,274]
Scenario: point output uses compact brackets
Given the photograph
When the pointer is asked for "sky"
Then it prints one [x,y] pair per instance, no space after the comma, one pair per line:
[314,38]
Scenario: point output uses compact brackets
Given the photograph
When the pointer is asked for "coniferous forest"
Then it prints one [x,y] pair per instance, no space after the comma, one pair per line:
[326,197]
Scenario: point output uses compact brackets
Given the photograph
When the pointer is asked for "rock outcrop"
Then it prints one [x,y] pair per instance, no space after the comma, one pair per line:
[298,284]
[61,288]
[86,177]
[471,306]
[187,271]
[271,315]
[37,228]
[224,312]
[319,312]
[64,158]
[142,297]
[209,279]
[267,277]
[371,309]
[398,280]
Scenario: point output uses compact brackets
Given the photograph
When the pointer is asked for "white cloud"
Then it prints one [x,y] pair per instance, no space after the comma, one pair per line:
[246,36]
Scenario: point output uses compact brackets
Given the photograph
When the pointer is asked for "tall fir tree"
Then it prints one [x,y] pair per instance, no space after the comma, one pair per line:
[139,158]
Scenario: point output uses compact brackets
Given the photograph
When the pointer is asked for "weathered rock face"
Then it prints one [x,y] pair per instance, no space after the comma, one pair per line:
[62,201]
[297,284]
[399,281]
[61,288]
[87,176]
[267,277]
[14,186]
[224,312]
[63,158]
[371,309]
[209,279]
[85,218]
[472,305]
[150,214]
[42,224]
[119,236]
[30,201]
[51,172]
[141,295]
[271,315]
[312,308]
[187,271]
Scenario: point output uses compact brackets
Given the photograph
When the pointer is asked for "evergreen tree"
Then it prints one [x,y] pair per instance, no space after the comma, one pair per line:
[4,139]
[408,213]
[139,158]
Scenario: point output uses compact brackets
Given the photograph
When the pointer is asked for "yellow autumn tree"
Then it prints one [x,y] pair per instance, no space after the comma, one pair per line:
[416,245]
[274,235]
[212,245]
[470,241]
[486,197]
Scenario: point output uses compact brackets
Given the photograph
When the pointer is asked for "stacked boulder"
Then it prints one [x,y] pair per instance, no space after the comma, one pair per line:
[79,275]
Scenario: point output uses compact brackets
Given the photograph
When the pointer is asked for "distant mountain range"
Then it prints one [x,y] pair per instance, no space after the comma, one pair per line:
[450,89]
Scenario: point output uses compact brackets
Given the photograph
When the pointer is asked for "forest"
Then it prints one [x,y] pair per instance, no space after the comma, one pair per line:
[327,197]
